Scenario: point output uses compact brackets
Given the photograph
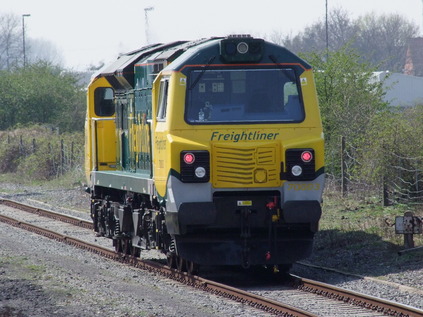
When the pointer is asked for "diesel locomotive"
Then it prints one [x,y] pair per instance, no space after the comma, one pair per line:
[211,151]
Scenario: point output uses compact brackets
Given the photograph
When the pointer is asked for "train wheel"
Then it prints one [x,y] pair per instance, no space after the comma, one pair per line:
[171,260]
[180,264]
[192,268]
[136,252]
[117,243]
[126,246]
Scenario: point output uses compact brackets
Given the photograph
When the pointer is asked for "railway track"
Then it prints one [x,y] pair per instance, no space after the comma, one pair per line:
[378,306]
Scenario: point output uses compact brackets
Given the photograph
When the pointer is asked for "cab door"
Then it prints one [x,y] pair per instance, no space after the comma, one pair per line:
[100,145]
[161,154]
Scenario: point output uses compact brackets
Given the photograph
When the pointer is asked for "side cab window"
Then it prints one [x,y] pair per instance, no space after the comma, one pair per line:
[103,102]
[163,94]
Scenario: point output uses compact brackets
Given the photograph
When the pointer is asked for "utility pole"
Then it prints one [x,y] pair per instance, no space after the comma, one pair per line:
[421,22]
[23,38]
[327,32]
[146,10]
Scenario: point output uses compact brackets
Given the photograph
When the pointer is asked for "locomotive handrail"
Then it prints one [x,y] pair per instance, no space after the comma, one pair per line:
[103,119]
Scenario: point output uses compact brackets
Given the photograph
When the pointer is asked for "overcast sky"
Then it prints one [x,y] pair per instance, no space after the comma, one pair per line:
[93,31]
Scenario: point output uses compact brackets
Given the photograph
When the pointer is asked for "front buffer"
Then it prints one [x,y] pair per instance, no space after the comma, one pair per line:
[245,228]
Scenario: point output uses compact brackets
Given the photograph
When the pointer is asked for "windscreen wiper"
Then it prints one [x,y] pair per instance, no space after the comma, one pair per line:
[205,67]
[287,74]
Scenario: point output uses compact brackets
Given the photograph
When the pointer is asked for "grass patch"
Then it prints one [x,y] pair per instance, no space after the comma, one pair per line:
[21,264]
[368,217]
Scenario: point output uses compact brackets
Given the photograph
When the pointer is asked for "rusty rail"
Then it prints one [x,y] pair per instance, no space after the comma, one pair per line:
[386,307]
[48,213]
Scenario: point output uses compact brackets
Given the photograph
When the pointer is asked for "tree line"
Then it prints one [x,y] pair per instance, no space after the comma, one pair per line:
[380,40]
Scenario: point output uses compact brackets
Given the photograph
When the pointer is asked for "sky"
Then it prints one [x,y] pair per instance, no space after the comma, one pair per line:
[89,32]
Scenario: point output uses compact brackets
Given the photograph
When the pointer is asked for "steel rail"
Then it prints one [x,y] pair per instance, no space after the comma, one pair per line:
[386,307]
[48,213]
[256,301]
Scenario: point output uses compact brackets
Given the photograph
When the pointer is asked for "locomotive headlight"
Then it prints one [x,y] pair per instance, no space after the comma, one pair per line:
[242,47]
[200,172]
[296,170]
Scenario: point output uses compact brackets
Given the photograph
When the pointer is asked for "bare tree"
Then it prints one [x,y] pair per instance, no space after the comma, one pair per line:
[383,39]
[341,30]
[380,40]
[11,45]
[10,41]
[42,50]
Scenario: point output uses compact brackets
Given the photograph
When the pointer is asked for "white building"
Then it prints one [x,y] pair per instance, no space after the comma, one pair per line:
[402,90]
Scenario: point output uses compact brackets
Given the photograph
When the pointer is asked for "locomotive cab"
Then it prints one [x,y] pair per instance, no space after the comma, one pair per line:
[240,161]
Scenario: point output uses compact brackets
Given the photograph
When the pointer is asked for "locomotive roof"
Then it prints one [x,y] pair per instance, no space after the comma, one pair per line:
[209,53]
[182,53]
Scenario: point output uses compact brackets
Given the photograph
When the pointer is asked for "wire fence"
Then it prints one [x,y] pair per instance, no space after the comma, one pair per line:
[40,157]
[399,178]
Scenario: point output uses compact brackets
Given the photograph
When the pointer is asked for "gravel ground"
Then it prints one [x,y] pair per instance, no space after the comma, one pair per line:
[39,277]
[125,291]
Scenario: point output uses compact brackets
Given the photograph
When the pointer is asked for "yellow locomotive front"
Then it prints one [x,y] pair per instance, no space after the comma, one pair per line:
[238,153]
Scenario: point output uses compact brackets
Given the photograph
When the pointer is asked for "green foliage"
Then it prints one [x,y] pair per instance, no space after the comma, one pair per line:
[348,99]
[9,158]
[392,150]
[41,93]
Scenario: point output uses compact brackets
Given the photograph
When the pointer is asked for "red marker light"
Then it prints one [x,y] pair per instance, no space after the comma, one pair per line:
[189,158]
[306,156]
[268,256]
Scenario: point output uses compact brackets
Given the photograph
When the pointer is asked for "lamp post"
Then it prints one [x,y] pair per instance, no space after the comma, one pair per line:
[23,37]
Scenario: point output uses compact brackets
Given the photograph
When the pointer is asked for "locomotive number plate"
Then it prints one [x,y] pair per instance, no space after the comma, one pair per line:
[244,203]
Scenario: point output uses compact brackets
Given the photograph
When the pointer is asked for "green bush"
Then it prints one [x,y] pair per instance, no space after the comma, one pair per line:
[9,158]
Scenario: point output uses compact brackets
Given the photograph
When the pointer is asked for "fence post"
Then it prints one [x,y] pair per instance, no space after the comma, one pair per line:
[71,156]
[343,168]
[21,146]
[385,196]
[34,148]
[62,157]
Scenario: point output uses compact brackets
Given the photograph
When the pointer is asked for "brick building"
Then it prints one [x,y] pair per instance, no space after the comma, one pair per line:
[414,57]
